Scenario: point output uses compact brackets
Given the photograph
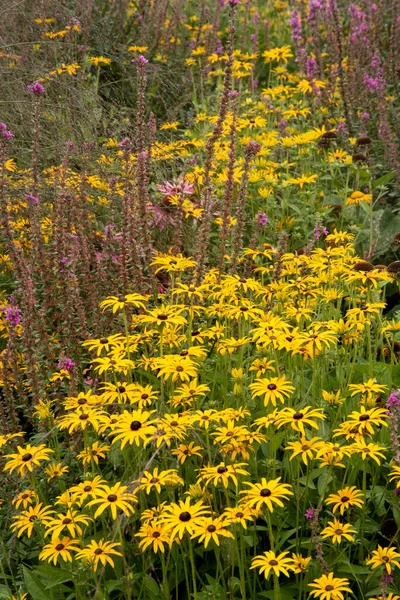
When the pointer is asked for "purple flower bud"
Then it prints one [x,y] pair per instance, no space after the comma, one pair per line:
[65,363]
[32,199]
[310,513]
[36,88]
[140,61]
[262,218]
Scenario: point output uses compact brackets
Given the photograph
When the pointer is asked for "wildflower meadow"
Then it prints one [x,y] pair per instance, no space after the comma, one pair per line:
[200,302]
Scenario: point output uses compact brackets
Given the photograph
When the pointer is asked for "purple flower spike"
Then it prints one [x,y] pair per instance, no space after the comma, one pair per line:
[36,88]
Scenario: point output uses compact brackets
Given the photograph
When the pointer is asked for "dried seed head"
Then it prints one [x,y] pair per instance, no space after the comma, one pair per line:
[363,265]
[396,239]
[359,157]
[363,140]
[394,267]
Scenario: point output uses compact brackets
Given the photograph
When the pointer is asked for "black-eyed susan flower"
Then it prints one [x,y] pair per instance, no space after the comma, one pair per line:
[348,496]
[370,386]
[266,493]
[273,389]
[155,535]
[394,475]
[59,548]
[305,448]
[164,315]
[298,419]
[208,528]
[4,439]
[55,470]
[100,551]
[81,419]
[185,450]
[386,557]
[222,473]
[87,489]
[271,562]
[94,452]
[26,459]
[368,450]
[26,498]
[337,530]
[239,514]
[179,518]
[71,521]
[177,367]
[105,344]
[300,562]
[172,263]
[329,587]
[30,518]
[364,420]
[115,498]
[134,428]
[155,480]
[119,302]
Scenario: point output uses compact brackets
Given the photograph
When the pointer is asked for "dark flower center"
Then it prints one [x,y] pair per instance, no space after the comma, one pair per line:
[344,499]
[174,423]
[27,457]
[196,332]
[33,518]
[179,369]
[144,396]
[156,534]
[244,308]
[25,496]
[83,417]
[87,488]
[239,515]
[135,425]
[113,362]
[298,416]
[305,447]
[265,493]
[338,531]
[98,551]
[271,386]
[211,528]
[162,317]
[364,418]
[82,401]
[329,588]
[185,516]
[121,390]
[184,353]
[67,521]
[273,562]
[221,470]
[366,450]
[60,547]
[112,498]
[385,559]
[104,341]
[154,480]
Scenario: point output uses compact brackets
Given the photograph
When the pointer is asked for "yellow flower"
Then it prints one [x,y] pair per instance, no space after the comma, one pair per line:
[55,470]
[25,498]
[271,562]
[301,181]
[329,587]
[300,563]
[27,458]
[386,557]
[368,450]
[164,315]
[273,389]
[184,451]
[99,60]
[240,514]
[99,551]
[94,452]
[71,521]
[222,473]
[356,198]
[266,493]
[348,496]
[336,530]
[155,535]
[114,497]
[277,54]
[297,419]
[172,263]
[134,428]
[59,548]
[305,447]
[182,517]
[119,303]
[394,475]
[33,516]
[207,529]
[153,481]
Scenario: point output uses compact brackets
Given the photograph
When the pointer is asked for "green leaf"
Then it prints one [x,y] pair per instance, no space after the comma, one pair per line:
[152,586]
[56,578]
[34,586]
[383,180]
